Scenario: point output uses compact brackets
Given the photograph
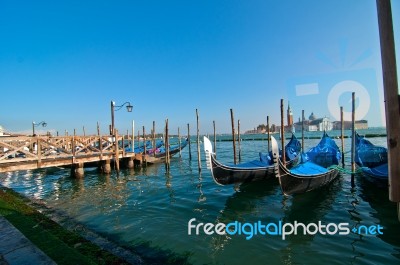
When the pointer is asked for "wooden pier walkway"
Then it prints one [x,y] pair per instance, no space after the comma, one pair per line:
[26,152]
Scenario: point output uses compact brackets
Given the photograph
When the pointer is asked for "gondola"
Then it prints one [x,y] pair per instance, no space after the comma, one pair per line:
[148,144]
[173,149]
[372,159]
[249,171]
[317,168]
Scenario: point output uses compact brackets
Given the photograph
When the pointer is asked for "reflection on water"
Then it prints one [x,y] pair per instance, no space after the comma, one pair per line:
[148,210]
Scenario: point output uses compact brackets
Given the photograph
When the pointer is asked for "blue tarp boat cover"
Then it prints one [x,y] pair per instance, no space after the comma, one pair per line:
[318,159]
[372,159]
[325,154]
[292,149]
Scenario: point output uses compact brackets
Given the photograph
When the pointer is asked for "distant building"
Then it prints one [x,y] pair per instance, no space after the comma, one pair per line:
[359,125]
[1,131]
[314,124]
[289,117]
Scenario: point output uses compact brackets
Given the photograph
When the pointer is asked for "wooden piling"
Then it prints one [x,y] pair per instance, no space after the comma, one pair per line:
[283,133]
[302,130]
[233,137]
[198,141]
[106,166]
[153,132]
[179,142]
[391,94]
[240,150]
[39,152]
[138,138]
[77,170]
[268,134]
[342,133]
[353,131]
[144,148]
[127,138]
[353,137]
[116,151]
[133,135]
[167,164]
[100,141]
[215,140]
[123,145]
[188,137]
[130,163]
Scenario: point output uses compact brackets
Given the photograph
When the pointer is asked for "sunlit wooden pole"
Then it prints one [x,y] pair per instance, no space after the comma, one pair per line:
[391,93]
[342,133]
[198,140]
[233,137]
[283,133]
[268,133]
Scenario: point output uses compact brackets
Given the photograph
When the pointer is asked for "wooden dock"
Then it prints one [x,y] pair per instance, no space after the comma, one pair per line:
[26,152]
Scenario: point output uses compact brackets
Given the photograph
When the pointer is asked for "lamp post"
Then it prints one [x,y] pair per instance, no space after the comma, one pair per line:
[43,123]
[114,108]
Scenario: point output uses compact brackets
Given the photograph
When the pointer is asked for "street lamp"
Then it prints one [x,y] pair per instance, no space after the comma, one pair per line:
[43,123]
[114,108]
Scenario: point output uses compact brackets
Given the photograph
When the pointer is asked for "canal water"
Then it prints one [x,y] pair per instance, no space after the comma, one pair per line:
[148,211]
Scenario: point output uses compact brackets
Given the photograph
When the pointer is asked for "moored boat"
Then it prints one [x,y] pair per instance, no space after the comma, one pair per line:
[317,168]
[249,171]
[372,159]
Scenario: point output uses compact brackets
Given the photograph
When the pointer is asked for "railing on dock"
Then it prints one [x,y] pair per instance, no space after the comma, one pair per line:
[25,152]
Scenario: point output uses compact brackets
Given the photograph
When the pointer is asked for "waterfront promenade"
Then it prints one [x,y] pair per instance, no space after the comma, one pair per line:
[16,249]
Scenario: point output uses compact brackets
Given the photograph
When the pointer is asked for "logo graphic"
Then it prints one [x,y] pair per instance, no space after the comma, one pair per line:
[326,93]
[249,230]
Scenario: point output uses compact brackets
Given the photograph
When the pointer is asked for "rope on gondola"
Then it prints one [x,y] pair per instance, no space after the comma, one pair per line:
[346,171]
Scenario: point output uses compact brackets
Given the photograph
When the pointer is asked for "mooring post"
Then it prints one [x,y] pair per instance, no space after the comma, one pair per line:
[154,138]
[133,136]
[106,166]
[391,94]
[268,133]
[138,138]
[167,165]
[302,130]
[100,141]
[77,170]
[188,137]
[144,149]
[233,137]
[283,134]
[353,136]
[130,163]
[215,141]
[240,150]
[342,133]
[198,140]
[39,152]
[116,150]
[179,141]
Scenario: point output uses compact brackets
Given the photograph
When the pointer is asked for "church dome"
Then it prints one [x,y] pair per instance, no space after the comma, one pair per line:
[312,117]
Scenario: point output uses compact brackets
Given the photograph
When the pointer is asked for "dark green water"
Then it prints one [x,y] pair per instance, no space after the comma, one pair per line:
[149,210]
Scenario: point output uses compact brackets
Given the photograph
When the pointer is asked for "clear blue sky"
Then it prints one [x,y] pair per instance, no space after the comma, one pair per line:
[64,62]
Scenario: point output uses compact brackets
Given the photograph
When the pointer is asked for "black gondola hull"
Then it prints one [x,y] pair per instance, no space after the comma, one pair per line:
[225,175]
[293,184]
